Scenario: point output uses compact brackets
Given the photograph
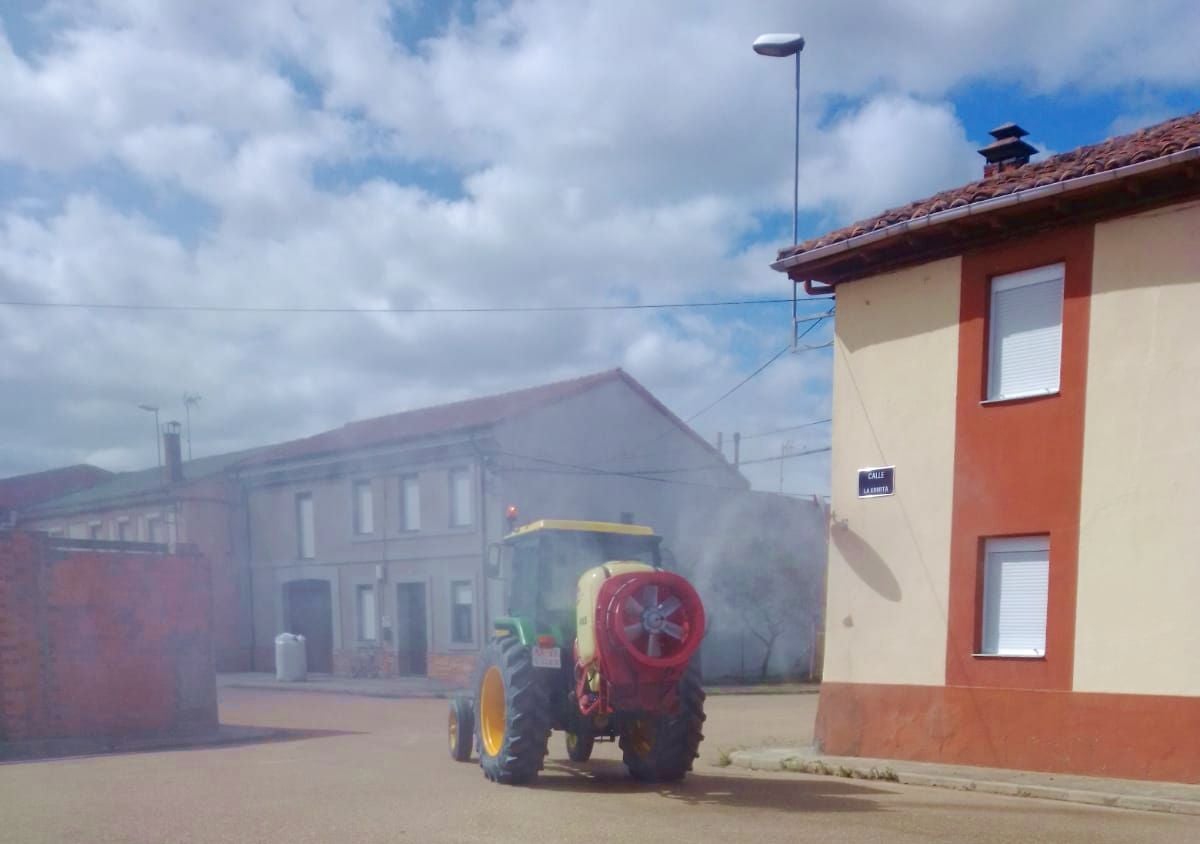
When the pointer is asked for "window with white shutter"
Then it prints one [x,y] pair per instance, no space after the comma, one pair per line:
[1025,333]
[364,508]
[305,529]
[365,601]
[410,508]
[1016,578]
[460,498]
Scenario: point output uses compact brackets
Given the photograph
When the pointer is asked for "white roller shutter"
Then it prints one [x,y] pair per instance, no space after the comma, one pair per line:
[1016,583]
[1025,335]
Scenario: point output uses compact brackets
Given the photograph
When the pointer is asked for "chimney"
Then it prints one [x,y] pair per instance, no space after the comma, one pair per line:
[173,466]
[1007,152]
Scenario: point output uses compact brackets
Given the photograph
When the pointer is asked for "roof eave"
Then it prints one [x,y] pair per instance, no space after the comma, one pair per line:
[793,263]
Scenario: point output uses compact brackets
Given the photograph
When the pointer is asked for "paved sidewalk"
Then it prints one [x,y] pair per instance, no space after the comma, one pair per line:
[423,687]
[1178,798]
[390,687]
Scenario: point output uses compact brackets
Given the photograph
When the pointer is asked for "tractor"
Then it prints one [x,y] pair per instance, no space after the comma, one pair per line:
[598,642]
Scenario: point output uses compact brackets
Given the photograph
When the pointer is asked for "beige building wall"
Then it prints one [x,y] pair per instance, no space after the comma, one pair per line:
[894,387]
[1138,621]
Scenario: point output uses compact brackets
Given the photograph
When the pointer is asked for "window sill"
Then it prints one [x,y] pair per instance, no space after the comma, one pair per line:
[1023,397]
[1035,657]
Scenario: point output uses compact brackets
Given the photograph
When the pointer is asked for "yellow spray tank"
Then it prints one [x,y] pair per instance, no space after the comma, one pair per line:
[585,604]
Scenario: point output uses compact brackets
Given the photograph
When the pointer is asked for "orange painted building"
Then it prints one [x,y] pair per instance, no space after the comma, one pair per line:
[1023,351]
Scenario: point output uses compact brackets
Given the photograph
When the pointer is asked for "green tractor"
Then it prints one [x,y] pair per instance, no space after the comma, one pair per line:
[598,642]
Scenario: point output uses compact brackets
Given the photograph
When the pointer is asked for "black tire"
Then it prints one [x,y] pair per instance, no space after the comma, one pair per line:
[579,745]
[512,741]
[662,750]
[461,728]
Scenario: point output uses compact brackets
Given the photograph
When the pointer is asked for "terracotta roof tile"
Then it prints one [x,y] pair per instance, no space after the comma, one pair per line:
[26,490]
[1152,142]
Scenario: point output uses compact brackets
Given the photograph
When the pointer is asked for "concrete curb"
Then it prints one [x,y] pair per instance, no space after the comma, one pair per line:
[762,690]
[320,689]
[803,762]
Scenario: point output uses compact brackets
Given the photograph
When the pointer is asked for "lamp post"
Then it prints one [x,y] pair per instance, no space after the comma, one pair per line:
[151,408]
[780,46]
[190,400]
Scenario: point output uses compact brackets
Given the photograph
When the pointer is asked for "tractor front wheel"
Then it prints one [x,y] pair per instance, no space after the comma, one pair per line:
[512,713]
[579,745]
[662,749]
[461,728]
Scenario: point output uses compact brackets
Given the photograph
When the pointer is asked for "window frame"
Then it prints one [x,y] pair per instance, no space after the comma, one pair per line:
[300,498]
[405,525]
[362,518]
[122,526]
[1038,543]
[1002,283]
[455,606]
[151,520]
[361,633]
[456,518]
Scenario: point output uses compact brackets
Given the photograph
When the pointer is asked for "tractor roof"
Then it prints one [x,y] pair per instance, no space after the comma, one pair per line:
[582,527]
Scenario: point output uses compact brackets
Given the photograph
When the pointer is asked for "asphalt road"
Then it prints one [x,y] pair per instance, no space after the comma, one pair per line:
[365,770]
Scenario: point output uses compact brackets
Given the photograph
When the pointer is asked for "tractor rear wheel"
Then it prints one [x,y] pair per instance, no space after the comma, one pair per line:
[461,728]
[512,713]
[579,745]
[662,749]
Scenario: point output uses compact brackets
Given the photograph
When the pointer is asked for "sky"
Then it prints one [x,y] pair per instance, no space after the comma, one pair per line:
[320,154]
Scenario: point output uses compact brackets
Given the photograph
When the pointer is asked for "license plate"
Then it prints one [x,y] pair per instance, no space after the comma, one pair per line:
[547,657]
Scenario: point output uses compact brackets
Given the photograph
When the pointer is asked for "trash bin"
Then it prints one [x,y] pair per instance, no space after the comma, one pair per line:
[291,659]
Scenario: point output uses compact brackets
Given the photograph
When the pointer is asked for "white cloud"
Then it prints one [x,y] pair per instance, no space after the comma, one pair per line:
[606,151]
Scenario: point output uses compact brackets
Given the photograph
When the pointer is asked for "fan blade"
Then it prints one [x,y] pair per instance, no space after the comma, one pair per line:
[654,649]
[668,607]
[632,605]
[634,630]
[650,595]
[673,630]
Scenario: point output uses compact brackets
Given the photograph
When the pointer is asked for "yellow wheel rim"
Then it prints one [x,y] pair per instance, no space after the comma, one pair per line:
[572,741]
[641,737]
[453,731]
[491,711]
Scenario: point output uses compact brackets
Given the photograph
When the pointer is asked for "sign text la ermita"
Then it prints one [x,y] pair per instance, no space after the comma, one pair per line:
[880,480]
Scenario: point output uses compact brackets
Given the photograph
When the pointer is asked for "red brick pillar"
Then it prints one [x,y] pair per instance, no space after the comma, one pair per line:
[20,637]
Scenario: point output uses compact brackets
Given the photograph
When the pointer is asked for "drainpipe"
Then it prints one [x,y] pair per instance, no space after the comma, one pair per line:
[482,613]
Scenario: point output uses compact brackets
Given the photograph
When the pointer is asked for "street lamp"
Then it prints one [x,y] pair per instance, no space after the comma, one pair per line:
[780,46]
[190,400]
[150,408]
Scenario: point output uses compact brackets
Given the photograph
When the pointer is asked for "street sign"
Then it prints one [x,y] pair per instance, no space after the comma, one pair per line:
[877,481]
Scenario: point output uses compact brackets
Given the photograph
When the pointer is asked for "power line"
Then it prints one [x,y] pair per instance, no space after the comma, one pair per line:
[561,467]
[786,430]
[739,384]
[288,309]
[740,463]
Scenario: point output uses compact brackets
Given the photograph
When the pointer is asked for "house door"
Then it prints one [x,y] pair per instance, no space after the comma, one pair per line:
[410,629]
[309,612]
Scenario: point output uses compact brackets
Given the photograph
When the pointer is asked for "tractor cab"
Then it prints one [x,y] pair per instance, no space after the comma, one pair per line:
[543,561]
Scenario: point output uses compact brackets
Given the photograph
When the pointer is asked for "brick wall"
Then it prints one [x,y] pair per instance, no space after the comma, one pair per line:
[103,643]
[452,668]
[365,662]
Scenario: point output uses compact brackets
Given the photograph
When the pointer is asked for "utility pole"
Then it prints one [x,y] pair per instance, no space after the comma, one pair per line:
[737,449]
[784,450]
[721,443]
[190,400]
